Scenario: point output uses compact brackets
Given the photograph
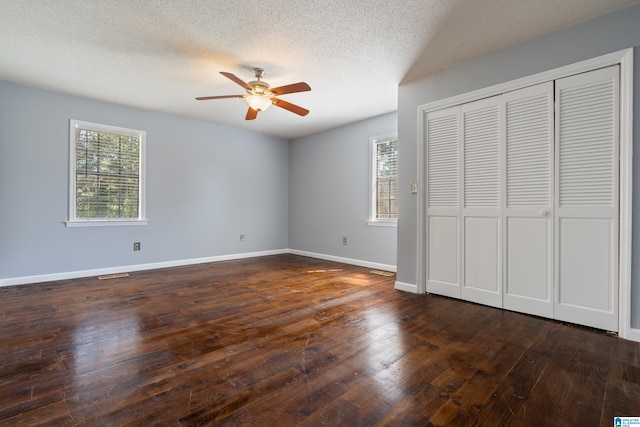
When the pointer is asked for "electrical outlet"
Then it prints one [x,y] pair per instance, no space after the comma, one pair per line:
[136,246]
[242,237]
[344,240]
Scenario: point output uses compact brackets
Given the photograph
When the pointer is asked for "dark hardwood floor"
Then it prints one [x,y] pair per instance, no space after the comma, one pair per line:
[286,340]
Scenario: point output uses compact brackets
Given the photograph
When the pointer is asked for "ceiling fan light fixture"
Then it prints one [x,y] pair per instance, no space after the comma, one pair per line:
[259,95]
[258,102]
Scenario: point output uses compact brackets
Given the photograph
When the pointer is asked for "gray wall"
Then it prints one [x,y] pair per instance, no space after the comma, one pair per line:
[329,193]
[206,184]
[583,41]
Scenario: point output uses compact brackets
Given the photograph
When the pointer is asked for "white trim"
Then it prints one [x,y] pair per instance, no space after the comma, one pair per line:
[128,268]
[383,223]
[633,334]
[102,223]
[349,261]
[625,59]
[406,287]
[421,251]
[626,197]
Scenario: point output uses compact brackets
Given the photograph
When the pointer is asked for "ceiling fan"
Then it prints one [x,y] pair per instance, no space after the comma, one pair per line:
[260,95]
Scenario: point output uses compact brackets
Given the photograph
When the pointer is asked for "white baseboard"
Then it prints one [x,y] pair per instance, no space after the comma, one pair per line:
[633,335]
[342,260]
[166,264]
[128,268]
[406,287]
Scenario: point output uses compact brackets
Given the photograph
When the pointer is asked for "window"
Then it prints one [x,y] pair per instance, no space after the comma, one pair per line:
[384,180]
[106,175]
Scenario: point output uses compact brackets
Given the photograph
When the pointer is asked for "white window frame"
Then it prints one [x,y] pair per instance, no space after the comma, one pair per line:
[373,143]
[73,221]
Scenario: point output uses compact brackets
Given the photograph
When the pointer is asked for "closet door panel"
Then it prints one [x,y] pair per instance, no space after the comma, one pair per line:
[528,268]
[481,213]
[443,251]
[587,135]
[585,247]
[528,209]
[481,252]
[442,177]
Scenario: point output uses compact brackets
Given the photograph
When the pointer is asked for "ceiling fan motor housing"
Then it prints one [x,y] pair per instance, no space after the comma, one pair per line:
[259,87]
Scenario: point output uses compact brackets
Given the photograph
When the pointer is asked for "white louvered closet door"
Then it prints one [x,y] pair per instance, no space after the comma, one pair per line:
[482,206]
[587,152]
[442,176]
[528,205]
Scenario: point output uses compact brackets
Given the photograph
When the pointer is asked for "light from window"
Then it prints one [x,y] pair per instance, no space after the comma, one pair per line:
[384,195]
[106,173]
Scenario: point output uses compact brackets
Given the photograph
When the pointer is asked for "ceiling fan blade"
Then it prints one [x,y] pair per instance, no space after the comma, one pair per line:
[289,106]
[204,98]
[251,114]
[292,88]
[236,79]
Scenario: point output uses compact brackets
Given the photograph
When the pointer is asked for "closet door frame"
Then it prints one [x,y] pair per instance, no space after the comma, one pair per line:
[625,59]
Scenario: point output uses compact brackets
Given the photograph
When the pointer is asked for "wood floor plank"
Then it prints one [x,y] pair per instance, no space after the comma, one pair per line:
[296,341]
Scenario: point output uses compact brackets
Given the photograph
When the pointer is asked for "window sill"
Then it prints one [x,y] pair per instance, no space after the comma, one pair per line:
[382,223]
[105,223]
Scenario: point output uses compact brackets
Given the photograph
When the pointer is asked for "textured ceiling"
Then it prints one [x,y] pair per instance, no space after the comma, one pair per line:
[161,54]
